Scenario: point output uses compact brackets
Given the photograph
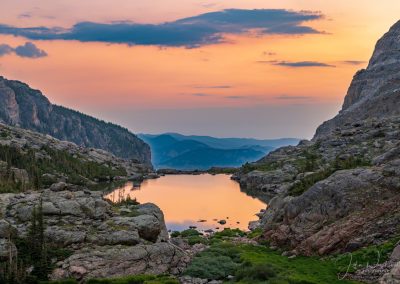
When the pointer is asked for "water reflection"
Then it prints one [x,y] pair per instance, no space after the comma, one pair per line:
[195,200]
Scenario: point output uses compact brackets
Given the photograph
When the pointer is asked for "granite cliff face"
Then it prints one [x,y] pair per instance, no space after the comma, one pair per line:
[375,91]
[341,191]
[27,108]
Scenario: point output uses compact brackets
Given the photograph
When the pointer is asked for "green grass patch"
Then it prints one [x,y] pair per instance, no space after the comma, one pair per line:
[364,257]
[339,164]
[259,264]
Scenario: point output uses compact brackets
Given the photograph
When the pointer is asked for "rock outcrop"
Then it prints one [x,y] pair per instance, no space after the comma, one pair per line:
[28,108]
[375,91]
[106,240]
[340,191]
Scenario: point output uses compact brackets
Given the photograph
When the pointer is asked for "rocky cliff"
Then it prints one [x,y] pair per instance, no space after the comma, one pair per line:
[102,240]
[28,108]
[341,191]
[375,91]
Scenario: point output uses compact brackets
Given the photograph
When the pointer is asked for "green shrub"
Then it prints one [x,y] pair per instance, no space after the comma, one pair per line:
[337,165]
[190,232]
[192,240]
[258,272]
[229,233]
[175,234]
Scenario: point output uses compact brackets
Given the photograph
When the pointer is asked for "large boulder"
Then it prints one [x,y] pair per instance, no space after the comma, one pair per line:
[106,239]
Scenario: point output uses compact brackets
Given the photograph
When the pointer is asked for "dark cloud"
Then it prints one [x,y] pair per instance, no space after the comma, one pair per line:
[27,50]
[5,49]
[353,62]
[297,64]
[208,28]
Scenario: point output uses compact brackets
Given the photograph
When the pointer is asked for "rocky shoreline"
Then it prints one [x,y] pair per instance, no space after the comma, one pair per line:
[105,240]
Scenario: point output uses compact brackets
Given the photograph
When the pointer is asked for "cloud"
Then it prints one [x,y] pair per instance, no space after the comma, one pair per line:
[29,50]
[25,15]
[353,62]
[213,87]
[208,28]
[5,49]
[201,95]
[297,64]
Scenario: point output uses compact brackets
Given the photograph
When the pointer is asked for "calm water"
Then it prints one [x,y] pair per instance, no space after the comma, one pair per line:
[187,199]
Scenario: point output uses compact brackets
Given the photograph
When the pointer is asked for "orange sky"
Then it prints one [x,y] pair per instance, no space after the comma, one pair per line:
[132,85]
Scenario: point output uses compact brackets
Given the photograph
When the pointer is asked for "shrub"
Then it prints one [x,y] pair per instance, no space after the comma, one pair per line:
[258,272]
[190,232]
[175,234]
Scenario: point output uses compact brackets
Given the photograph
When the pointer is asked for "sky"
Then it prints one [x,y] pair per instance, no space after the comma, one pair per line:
[228,68]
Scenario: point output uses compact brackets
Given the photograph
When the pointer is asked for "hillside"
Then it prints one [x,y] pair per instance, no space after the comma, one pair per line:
[30,160]
[340,192]
[203,152]
[27,108]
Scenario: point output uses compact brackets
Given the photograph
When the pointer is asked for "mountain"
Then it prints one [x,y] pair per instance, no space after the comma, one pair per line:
[233,143]
[182,152]
[340,192]
[28,108]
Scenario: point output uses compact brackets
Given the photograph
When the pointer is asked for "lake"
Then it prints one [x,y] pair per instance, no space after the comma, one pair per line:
[195,200]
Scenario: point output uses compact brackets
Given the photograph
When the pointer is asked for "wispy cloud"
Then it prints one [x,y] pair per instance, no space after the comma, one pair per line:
[208,28]
[236,97]
[297,64]
[353,62]
[29,50]
[24,15]
[212,87]
[202,95]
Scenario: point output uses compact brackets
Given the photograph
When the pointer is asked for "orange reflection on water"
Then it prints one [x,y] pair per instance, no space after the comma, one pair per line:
[186,199]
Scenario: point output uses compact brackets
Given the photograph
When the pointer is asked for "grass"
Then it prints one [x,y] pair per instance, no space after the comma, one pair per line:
[364,257]
[338,164]
[259,264]
[264,167]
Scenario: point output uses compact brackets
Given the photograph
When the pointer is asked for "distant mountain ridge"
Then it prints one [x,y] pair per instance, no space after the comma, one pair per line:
[177,151]
[27,108]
